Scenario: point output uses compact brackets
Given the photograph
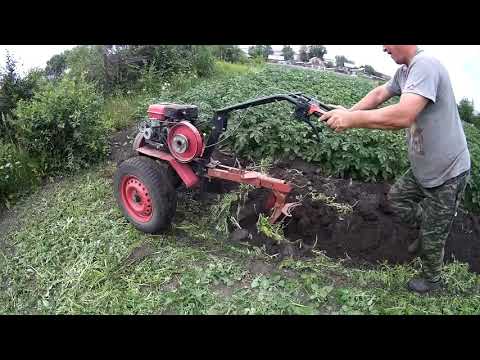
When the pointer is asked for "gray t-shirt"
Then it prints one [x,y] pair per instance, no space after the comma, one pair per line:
[437,147]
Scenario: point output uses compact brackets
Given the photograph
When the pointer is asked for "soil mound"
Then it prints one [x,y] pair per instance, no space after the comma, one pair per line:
[349,220]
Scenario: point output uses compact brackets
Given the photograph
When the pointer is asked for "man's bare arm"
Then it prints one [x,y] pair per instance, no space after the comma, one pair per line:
[373,99]
[397,116]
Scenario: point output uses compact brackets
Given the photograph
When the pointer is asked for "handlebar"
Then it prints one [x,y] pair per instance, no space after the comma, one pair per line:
[298,99]
[305,107]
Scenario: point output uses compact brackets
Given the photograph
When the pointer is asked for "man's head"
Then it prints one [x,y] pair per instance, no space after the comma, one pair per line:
[401,54]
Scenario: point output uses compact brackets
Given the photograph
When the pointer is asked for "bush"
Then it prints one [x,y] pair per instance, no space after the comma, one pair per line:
[62,125]
[14,88]
[203,62]
[472,193]
[18,172]
[466,110]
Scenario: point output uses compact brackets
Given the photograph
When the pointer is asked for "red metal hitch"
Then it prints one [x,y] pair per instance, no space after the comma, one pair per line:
[280,188]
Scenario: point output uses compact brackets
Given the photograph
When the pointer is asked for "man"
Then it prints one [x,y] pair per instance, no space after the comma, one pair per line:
[428,194]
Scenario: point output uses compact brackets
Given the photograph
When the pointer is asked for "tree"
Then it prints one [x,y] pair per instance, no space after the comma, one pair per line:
[8,84]
[56,66]
[466,110]
[268,50]
[85,60]
[316,51]
[12,89]
[255,51]
[369,70]
[288,53]
[342,60]
[203,61]
[260,51]
[229,53]
[303,53]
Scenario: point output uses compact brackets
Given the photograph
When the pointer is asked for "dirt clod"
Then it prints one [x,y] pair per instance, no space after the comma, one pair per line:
[260,267]
[239,235]
[138,254]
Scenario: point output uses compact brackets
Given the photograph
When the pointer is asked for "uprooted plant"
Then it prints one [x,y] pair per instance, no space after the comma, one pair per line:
[272,231]
[225,211]
[340,208]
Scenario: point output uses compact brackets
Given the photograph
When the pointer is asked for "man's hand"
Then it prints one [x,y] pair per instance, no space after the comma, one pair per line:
[338,120]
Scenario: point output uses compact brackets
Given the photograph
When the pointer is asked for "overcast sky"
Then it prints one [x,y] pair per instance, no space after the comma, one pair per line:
[461,61]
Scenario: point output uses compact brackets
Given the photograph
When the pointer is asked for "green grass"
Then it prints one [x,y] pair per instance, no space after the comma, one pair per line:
[74,253]
[19,173]
[226,69]
[119,112]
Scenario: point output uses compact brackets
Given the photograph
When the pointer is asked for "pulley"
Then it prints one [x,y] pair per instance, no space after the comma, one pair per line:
[185,142]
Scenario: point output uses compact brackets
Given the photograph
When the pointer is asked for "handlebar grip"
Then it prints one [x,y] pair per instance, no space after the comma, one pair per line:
[316,110]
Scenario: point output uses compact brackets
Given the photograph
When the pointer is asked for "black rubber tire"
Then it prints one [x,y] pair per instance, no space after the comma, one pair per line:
[155,177]
[138,142]
[174,178]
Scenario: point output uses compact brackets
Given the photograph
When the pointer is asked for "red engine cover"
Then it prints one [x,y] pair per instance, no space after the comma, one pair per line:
[156,111]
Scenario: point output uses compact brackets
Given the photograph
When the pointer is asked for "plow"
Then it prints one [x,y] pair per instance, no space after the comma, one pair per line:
[170,150]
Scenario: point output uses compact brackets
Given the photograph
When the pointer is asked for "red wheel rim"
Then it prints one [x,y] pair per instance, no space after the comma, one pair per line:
[136,199]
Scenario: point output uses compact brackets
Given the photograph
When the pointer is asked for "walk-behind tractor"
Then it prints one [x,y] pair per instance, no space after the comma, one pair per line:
[171,150]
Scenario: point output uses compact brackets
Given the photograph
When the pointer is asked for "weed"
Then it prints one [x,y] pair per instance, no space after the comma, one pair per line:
[272,231]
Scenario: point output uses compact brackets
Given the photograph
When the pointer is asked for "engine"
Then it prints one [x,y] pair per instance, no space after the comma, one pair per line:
[171,128]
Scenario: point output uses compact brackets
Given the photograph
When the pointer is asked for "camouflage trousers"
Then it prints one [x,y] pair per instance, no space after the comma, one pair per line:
[431,209]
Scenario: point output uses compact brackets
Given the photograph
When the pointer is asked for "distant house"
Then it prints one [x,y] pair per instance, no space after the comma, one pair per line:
[275,58]
[329,63]
[350,69]
[316,63]
[357,70]
[342,69]
[380,77]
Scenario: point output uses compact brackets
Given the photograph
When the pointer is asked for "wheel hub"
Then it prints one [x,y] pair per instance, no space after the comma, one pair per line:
[136,199]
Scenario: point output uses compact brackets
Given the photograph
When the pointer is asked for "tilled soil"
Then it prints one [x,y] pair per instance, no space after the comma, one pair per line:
[366,233]
[121,144]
